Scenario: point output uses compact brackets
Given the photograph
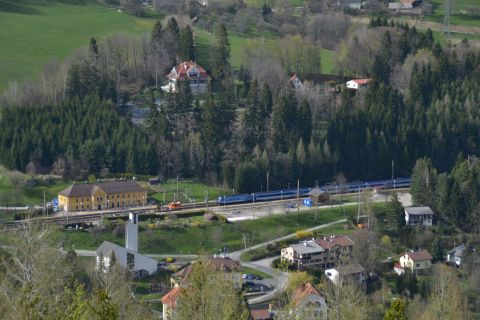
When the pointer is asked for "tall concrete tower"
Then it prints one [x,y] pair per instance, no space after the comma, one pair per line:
[131,234]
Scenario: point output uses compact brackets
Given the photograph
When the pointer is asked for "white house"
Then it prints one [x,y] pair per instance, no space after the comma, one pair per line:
[127,257]
[297,84]
[354,272]
[323,253]
[415,261]
[196,76]
[169,302]
[455,255]
[356,84]
[419,216]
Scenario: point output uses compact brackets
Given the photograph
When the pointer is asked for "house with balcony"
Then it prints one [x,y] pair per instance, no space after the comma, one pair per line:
[323,253]
[419,216]
[189,71]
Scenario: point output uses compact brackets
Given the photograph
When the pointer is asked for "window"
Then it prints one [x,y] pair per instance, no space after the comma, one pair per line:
[118,196]
[418,265]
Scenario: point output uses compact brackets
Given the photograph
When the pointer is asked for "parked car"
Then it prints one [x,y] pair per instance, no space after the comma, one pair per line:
[258,278]
[250,277]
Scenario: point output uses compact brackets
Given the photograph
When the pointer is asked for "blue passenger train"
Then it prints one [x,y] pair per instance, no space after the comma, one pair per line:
[303,192]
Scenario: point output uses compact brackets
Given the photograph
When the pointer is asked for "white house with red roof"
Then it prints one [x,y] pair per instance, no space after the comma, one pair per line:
[190,71]
[356,84]
[169,302]
[297,83]
[414,260]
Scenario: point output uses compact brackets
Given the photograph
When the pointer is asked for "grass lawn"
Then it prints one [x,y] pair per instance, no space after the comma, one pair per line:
[33,32]
[458,14]
[28,195]
[238,43]
[188,191]
[210,238]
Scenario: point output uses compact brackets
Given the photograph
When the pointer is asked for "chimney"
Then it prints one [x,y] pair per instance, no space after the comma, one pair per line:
[131,234]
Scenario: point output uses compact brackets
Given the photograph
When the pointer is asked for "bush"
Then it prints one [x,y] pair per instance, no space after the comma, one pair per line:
[303,234]
[170,259]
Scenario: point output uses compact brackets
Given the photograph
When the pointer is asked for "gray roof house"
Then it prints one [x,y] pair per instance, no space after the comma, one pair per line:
[419,216]
[454,256]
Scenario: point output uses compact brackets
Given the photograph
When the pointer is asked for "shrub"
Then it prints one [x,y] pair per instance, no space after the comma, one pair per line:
[170,259]
[303,234]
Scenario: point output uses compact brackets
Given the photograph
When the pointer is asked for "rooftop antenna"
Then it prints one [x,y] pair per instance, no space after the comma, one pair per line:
[446,18]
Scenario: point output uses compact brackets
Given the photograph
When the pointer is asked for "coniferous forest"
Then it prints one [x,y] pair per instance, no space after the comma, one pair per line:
[422,102]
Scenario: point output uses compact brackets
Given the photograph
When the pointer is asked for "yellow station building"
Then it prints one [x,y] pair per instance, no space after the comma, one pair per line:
[100,196]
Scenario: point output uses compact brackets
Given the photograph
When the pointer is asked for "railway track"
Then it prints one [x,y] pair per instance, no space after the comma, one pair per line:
[88,217]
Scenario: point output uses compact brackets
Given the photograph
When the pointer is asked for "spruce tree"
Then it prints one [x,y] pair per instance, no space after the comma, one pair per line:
[186,48]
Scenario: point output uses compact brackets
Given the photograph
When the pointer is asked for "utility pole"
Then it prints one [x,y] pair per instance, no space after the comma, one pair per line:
[176,197]
[446,18]
[44,204]
[298,195]
[267,181]
[393,169]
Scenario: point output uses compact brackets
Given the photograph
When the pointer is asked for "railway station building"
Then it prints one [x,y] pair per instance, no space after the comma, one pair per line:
[101,196]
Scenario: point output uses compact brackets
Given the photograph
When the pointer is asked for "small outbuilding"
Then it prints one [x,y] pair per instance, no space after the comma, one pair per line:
[318,196]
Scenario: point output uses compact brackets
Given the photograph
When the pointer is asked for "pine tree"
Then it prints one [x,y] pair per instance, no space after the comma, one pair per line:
[157,33]
[305,121]
[284,121]
[437,250]
[220,56]
[186,48]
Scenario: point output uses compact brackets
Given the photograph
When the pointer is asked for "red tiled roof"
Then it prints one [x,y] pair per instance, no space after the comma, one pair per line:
[398,266]
[304,290]
[361,81]
[260,314]
[182,69]
[332,241]
[171,297]
[408,1]
[419,255]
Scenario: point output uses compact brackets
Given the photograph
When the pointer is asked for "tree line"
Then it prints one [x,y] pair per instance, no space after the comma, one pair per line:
[74,138]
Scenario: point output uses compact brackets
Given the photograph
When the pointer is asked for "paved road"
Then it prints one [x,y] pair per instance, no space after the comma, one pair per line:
[91,253]
[236,254]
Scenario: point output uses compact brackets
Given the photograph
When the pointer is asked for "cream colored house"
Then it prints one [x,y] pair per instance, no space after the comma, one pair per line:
[415,261]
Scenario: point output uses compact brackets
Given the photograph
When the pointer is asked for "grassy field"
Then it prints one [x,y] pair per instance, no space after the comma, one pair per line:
[33,32]
[458,13]
[188,191]
[209,239]
[28,195]
[238,43]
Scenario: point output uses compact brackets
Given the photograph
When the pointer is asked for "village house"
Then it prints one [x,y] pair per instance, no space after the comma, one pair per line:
[321,253]
[100,196]
[455,255]
[189,71]
[415,261]
[169,303]
[262,314]
[351,272]
[419,216]
[403,4]
[308,303]
[356,84]
[297,84]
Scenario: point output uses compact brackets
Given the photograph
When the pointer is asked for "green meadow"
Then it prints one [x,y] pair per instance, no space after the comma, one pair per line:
[33,32]
[458,14]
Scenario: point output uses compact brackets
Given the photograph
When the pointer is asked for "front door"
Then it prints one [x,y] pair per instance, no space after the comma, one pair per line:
[99,207]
